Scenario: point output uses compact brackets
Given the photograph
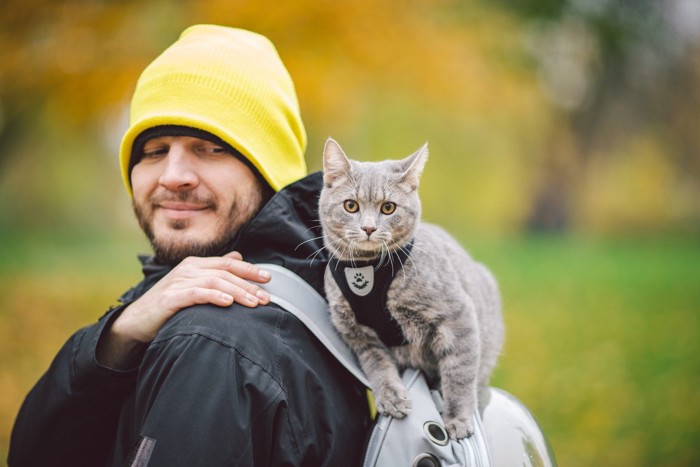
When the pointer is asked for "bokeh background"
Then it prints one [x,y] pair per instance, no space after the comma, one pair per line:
[564,154]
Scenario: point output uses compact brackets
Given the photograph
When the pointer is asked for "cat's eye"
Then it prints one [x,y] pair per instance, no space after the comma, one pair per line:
[388,208]
[351,206]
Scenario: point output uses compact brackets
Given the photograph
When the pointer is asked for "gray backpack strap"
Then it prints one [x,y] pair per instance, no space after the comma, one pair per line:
[302,300]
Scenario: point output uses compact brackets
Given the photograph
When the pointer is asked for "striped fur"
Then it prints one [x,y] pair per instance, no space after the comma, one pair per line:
[447,305]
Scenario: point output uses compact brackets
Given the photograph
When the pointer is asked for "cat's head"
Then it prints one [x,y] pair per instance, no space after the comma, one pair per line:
[368,209]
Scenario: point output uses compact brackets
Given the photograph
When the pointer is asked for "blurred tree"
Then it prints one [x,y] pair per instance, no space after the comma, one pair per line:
[616,69]
[383,78]
[66,72]
[74,58]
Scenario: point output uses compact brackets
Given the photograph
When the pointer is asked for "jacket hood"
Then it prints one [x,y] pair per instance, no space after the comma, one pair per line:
[287,232]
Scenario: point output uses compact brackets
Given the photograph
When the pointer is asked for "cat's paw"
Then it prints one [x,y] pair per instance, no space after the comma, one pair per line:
[459,427]
[393,400]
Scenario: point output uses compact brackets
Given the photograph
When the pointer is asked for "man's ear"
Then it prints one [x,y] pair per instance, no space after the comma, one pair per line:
[336,164]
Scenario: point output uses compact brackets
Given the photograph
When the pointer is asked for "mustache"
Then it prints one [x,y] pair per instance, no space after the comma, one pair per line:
[183,197]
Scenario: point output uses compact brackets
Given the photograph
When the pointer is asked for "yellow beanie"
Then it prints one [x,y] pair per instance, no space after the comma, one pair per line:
[230,83]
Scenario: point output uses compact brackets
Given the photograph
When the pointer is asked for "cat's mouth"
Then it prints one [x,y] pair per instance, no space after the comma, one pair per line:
[360,249]
[364,249]
[368,244]
[370,247]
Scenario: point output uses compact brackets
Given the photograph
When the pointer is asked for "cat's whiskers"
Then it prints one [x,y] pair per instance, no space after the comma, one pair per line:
[328,244]
[352,254]
[309,240]
[380,263]
[433,257]
[317,226]
[325,246]
[403,266]
[348,244]
[391,261]
[408,256]
[314,255]
[386,253]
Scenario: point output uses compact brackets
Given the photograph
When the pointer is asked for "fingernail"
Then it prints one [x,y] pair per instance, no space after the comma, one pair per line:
[264,274]
[262,295]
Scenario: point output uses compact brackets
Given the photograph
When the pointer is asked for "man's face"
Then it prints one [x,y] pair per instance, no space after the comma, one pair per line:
[191,196]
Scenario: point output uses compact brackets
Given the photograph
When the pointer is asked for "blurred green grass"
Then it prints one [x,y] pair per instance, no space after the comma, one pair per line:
[602,345]
[602,334]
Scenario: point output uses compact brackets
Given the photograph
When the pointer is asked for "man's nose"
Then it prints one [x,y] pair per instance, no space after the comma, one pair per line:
[179,171]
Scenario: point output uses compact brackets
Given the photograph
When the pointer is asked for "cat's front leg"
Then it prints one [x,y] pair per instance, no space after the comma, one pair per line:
[459,396]
[458,367]
[390,395]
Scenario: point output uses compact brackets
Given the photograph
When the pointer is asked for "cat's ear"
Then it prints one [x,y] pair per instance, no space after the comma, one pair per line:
[413,165]
[335,163]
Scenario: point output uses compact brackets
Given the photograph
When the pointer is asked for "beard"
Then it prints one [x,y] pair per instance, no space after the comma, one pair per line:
[172,248]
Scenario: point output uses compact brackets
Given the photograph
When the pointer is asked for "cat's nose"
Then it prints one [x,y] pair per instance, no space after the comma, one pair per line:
[369,230]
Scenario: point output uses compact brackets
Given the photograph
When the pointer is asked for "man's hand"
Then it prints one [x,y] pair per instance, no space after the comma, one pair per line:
[216,280]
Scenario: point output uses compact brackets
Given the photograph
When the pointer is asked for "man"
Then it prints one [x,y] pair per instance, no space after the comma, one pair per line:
[195,366]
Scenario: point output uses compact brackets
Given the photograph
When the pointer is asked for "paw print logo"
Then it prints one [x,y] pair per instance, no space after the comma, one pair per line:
[359,281]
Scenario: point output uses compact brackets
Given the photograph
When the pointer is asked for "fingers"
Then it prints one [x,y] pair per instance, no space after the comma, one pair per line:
[220,281]
[240,273]
[244,270]
[203,295]
[234,255]
[232,262]
[225,274]
[231,288]
[247,293]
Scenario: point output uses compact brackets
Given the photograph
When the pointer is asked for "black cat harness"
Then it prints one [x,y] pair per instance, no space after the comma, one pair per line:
[365,285]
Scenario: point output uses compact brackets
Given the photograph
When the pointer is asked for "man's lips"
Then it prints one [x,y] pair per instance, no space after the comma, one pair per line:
[180,210]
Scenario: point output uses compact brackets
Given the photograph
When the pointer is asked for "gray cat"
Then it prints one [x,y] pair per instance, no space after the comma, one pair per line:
[420,299]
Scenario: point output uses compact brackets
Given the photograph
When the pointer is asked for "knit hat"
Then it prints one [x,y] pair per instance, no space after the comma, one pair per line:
[230,83]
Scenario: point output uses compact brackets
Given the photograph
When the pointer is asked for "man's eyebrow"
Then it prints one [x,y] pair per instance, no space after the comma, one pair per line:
[157,139]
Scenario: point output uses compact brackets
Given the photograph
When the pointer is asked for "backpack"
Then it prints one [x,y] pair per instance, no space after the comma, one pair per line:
[506,434]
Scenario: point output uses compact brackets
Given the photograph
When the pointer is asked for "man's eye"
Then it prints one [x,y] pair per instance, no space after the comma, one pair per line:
[215,150]
[151,153]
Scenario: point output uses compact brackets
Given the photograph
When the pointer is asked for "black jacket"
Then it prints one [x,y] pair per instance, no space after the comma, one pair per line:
[217,387]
